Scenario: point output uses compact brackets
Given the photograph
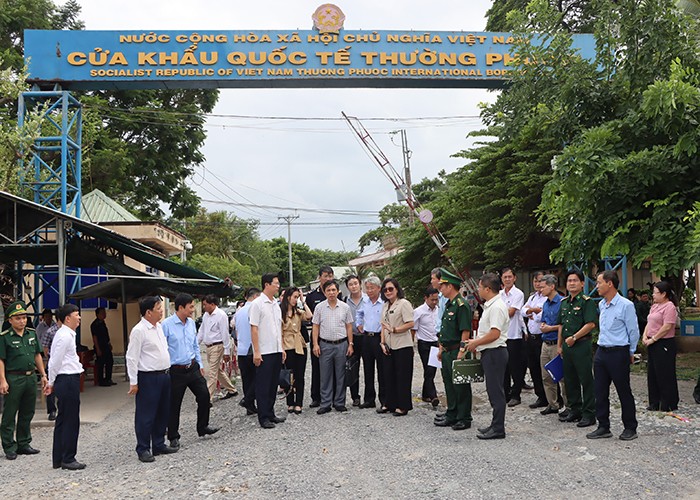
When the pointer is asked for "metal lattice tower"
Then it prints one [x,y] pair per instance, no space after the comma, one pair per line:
[53,174]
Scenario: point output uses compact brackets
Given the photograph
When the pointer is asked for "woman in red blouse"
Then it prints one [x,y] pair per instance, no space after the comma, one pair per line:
[661,346]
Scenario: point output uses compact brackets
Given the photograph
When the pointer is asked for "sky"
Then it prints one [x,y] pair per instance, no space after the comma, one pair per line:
[314,164]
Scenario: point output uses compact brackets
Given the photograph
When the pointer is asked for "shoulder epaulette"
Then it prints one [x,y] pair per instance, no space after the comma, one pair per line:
[4,332]
[460,301]
[585,297]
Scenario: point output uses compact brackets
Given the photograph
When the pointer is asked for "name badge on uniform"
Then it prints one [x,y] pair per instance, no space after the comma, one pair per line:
[451,313]
[577,308]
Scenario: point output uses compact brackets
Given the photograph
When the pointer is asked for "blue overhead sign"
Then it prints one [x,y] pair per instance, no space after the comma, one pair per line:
[225,59]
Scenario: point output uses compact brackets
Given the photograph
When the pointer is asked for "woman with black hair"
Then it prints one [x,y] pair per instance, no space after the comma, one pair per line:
[661,347]
[397,346]
[294,311]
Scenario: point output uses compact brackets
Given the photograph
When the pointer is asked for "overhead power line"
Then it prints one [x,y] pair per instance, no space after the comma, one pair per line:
[314,210]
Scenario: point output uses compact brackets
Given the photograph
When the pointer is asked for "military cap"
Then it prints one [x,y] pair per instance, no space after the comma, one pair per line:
[17,307]
[448,277]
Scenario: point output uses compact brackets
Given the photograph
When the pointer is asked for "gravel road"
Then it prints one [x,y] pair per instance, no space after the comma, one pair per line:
[360,454]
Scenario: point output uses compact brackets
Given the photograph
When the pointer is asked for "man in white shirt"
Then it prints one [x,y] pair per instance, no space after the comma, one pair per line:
[245,352]
[424,318]
[514,298]
[64,381]
[215,335]
[532,310]
[148,364]
[490,341]
[268,354]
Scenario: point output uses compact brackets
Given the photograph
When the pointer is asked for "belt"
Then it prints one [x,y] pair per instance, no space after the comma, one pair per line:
[155,372]
[450,348]
[614,347]
[551,342]
[20,372]
[68,375]
[335,341]
[373,334]
[183,367]
[215,343]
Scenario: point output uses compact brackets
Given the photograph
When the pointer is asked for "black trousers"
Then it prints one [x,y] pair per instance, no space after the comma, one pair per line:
[398,375]
[247,369]
[613,366]
[661,375]
[358,340]
[67,428]
[533,348]
[152,411]
[495,362]
[181,380]
[372,356]
[104,365]
[429,372]
[315,379]
[297,363]
[267,377]
[517,364]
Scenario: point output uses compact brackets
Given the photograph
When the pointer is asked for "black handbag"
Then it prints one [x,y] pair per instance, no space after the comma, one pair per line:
[286,379]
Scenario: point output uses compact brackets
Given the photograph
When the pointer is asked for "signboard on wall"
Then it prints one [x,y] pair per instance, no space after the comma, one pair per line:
[228,59]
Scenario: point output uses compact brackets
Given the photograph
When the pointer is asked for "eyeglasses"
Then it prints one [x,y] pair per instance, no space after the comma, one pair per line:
[389,289]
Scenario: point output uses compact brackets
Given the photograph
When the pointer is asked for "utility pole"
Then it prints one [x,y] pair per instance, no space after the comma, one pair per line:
[289,219]
[407,172]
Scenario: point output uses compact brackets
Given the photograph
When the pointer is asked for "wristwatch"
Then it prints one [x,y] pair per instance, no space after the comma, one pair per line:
[463,344]
[352,343]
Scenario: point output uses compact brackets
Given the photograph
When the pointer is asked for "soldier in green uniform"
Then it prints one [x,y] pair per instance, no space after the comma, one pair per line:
[455,330]
[20,355]
[578,316]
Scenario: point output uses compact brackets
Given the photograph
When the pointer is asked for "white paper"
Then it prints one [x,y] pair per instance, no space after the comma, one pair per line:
[433,358]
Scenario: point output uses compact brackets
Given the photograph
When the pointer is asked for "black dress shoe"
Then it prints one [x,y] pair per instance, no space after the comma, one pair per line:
[165,450]
[564,415]
[208,431]
[10,455]
[653,408]
[175,443]
[491,434]
[324,410]
[341,408]
[105,384]
[600,432]
[146,457]
[75,465]
[573,417]
[243,403]
[112,382]
[27,450]
[52,416]
[628,435]
[356,402]
[267,425]
[230,395]
[366,404]
[586,422]
[56,466]
[484,430]
[549,411]
[435,402]
[315,404]
[277,420]
[460,426]
[444,423]
[513,402]
[540,403]
[399,413]
[251,411]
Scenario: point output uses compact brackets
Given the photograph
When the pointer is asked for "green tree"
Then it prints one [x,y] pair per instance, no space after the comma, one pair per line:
[576,16]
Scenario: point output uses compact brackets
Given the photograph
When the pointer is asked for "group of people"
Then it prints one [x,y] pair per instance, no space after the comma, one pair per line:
[375,327]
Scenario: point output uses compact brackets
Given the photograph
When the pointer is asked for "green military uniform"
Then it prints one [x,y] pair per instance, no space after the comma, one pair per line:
[456,318]
[578,359]
[18,353]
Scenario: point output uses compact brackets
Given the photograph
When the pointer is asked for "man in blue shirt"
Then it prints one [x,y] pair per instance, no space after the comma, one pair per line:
[368,319]
[245,352]
[550,340]
[185,368]
[619,334]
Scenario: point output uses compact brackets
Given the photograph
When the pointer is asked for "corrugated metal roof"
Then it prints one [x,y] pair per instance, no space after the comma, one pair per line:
[97,207]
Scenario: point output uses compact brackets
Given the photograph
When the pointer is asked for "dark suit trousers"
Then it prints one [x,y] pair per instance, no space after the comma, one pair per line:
[152,411]
[494,362]
[429,372]
[516,369]
[67,427]
[534,351]
[296,363]
[372,355]
[315,379]
[613,366]
[358,340]
[104,365]
[267,377]
[247,368]
[180,381]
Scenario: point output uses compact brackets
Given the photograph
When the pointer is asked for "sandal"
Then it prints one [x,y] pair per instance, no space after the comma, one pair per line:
[383,409]
[290,409]
[297,410]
